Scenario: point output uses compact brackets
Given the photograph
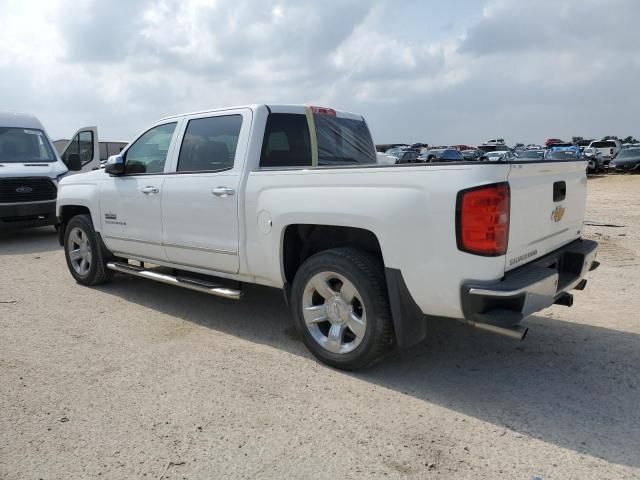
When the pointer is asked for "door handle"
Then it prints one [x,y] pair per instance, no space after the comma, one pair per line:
[150,190]
[223,191]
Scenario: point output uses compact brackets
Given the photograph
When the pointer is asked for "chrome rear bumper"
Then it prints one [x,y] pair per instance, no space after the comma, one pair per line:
[530,288]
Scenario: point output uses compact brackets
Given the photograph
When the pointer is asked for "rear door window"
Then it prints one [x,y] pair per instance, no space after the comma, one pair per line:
[209,144]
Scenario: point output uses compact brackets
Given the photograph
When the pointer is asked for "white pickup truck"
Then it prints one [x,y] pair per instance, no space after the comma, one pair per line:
[292,197]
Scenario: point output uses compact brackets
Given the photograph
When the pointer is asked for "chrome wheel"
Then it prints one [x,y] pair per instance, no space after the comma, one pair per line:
[79,251]
[333,312]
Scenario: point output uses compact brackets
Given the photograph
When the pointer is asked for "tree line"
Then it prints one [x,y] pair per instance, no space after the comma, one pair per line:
[629,139]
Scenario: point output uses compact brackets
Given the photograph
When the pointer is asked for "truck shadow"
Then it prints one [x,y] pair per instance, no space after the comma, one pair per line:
[574,385]
[32,240]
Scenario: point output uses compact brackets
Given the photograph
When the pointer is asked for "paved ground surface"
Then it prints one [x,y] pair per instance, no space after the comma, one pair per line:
[140,380]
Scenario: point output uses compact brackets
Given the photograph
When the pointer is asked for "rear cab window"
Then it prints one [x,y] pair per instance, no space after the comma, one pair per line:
[316,139]
[343,141]
[605,144]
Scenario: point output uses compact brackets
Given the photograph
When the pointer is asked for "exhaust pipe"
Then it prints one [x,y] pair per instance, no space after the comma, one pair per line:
[517,332]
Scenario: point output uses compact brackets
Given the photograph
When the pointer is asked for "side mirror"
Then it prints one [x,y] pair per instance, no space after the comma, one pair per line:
[73,162]
[115,165]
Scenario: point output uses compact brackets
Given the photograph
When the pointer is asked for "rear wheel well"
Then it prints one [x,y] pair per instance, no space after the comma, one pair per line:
[302,241]
[67,213]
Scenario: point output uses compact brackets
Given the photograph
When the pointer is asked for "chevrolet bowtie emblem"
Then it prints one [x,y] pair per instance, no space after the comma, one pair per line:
[557,214]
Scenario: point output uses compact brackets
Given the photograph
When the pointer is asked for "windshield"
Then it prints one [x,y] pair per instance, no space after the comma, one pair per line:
[20,145]
[343,141]
[604,145]
[629,153]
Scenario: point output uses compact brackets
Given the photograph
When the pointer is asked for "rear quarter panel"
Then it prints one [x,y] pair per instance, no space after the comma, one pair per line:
[411,210]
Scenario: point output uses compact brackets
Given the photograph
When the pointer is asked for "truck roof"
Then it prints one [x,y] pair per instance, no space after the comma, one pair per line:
[276,108]
[19,120]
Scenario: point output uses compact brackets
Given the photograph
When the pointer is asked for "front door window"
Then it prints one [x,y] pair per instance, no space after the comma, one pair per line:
[149,153]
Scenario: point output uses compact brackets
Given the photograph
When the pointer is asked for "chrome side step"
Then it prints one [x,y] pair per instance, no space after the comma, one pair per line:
[179,281]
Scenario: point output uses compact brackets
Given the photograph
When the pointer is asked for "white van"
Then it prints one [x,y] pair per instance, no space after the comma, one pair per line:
[30,169]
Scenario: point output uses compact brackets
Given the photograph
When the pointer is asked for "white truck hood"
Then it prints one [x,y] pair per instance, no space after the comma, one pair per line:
[51,169]
[83,177]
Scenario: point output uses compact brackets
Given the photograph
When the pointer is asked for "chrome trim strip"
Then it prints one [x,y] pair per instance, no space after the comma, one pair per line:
[132,240]
[201,249]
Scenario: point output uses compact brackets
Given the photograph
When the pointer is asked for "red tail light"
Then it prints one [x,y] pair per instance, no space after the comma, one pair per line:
[482,220]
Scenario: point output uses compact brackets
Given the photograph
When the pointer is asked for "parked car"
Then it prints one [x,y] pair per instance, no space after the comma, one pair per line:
[30,169]
[628,160]
[534,146]
[562,155]
[493,148]
[495,141]
[216,199]
[565,147]
[472,154]
[500,156]
[608,149]
[441,155]
[394,152]
[531,155]
[407,156]
[384,159]
[595,162]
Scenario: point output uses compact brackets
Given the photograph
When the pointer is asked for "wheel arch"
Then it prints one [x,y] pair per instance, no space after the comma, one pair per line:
[66,213]
[301,241]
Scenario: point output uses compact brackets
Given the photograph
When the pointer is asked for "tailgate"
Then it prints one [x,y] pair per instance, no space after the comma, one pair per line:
[547,208]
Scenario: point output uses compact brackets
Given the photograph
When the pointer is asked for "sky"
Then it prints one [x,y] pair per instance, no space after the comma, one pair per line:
[461,71]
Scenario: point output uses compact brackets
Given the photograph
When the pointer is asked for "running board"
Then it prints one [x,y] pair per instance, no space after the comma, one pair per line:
[184,282]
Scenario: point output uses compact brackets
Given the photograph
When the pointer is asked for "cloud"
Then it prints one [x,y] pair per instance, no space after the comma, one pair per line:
[458,74]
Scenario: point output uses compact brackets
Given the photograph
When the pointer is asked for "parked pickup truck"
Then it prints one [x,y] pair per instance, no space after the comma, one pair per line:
[292,197]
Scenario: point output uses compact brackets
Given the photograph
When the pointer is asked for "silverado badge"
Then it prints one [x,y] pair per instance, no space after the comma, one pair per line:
[557,214]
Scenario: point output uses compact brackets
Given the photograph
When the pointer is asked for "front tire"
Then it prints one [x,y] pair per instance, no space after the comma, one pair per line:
[86,256]
[341,309]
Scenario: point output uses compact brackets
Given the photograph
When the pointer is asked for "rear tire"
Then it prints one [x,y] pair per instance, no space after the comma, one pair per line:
[341,308]
[85,254]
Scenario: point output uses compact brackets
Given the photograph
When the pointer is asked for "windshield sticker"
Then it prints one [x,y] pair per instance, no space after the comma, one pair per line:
[33,132]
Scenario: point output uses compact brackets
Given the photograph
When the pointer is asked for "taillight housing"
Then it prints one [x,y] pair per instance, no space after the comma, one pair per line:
[482,219]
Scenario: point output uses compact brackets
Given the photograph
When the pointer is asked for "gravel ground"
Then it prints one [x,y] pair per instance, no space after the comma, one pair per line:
[136,379]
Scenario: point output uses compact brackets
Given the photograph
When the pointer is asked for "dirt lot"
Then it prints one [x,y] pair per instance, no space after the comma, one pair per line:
[140,380]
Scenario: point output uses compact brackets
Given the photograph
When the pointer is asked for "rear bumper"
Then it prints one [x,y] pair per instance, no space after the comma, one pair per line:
[25,215]
[530,288]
